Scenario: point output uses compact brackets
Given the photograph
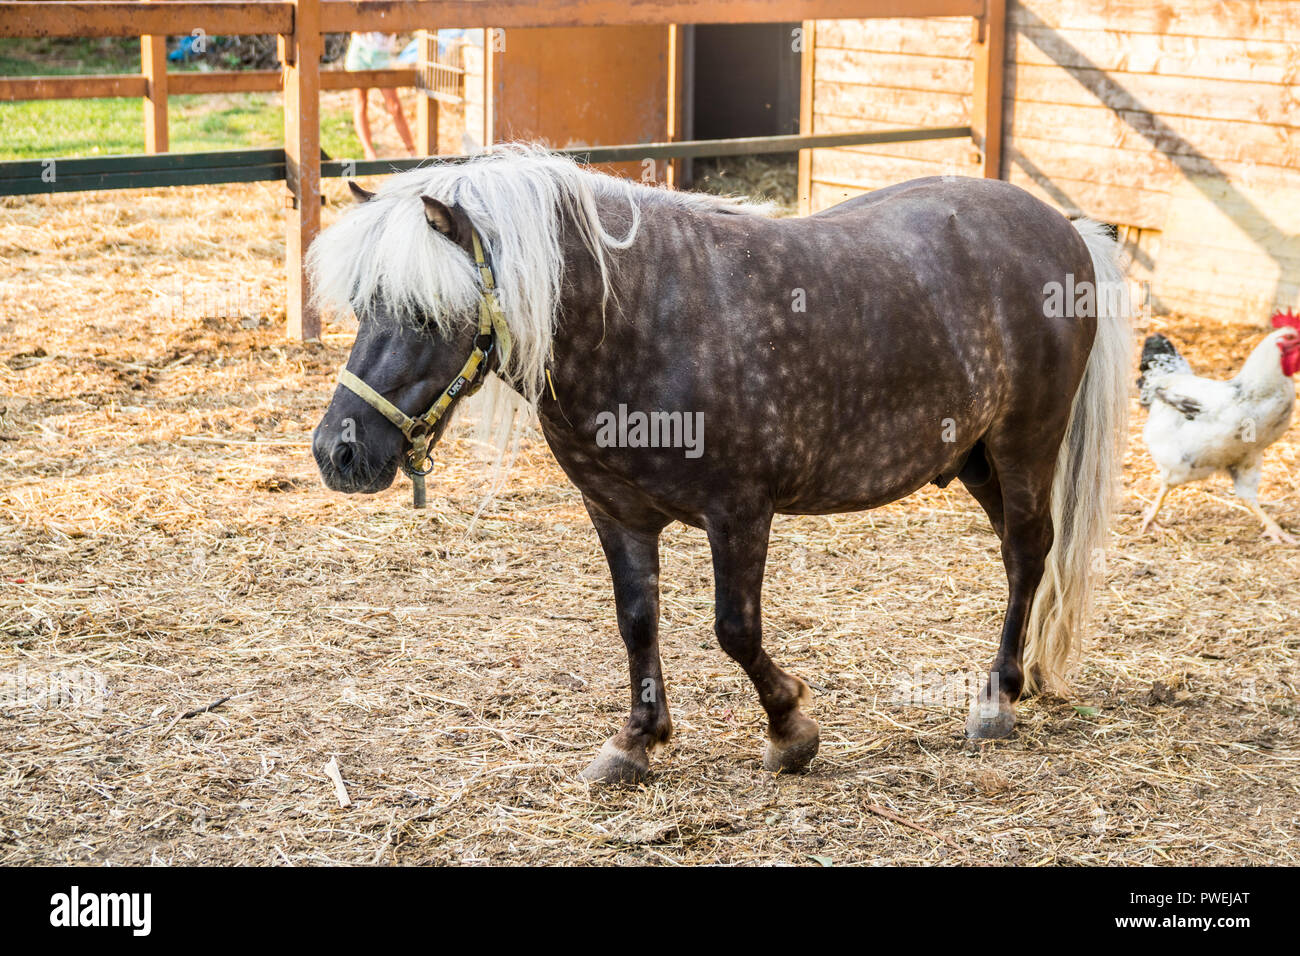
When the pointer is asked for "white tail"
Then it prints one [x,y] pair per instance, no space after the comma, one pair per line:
[1087,472]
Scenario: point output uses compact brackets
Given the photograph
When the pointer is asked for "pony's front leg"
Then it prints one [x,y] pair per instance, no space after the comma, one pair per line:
[739,548]
[633,558]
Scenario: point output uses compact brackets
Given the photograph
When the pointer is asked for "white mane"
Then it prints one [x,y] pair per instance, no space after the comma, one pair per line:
[383,252]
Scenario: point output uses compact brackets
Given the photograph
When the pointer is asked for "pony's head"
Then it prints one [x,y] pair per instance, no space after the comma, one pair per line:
[403,260]
[411,341]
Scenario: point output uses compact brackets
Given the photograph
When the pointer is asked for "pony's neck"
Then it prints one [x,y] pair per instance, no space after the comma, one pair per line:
[584,302]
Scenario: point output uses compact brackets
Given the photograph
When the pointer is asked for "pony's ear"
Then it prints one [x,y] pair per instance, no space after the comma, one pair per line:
[440,217]
[359,194]
[451,221]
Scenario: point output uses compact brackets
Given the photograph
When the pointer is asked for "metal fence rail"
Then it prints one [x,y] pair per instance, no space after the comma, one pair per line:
[33,176]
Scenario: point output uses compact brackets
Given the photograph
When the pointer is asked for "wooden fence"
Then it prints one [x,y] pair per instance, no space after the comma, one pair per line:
[300,25]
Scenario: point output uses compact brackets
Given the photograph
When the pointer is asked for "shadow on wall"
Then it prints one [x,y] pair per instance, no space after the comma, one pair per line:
[1225,195]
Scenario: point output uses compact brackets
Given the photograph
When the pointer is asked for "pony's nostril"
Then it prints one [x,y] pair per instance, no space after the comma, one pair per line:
[343,454]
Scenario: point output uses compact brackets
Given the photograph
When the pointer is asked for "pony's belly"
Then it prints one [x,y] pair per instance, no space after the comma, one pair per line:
[865,490]
[871,459]
[858,465]
[665,483]
[842,505]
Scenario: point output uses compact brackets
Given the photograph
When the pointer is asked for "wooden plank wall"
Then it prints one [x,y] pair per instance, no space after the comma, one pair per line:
[1178,120]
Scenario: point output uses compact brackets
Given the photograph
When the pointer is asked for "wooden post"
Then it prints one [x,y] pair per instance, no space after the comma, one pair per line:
[676,75]
[489,89]
[426,107]
[300,61]
[806,128]
[426,121]
[153,64]
[986,108]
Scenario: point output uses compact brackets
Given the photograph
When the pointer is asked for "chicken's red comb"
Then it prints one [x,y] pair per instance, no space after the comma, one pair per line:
[1286,318]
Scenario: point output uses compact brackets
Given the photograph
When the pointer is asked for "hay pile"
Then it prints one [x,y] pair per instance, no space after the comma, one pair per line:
[163,532]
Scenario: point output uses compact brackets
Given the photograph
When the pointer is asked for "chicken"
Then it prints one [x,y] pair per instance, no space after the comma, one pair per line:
[1197,426]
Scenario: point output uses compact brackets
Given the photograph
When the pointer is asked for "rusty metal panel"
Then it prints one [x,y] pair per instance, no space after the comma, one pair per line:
[583,86]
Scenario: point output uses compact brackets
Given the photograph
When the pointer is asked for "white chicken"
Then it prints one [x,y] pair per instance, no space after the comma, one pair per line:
[1197,426]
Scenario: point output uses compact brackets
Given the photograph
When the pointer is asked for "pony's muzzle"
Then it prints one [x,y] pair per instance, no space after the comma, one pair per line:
[347,466]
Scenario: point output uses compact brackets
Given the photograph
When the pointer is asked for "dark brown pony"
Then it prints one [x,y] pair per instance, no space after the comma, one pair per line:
[937,329]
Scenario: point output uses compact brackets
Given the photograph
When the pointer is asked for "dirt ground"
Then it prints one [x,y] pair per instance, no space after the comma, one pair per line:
[165,544]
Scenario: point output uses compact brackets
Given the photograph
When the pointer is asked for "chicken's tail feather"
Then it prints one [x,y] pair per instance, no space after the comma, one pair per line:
[1159,357]
[1087,472]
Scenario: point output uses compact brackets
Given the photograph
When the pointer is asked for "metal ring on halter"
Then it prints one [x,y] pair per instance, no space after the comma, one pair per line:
[418,462]
[409,468]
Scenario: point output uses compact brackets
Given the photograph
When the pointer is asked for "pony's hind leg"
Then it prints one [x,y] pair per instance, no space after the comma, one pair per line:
[739,546]
[1026,532]
[633,557]
[988,492]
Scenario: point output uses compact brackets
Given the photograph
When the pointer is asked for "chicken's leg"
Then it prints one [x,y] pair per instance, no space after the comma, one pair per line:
[1272,530]
[1245,482]
[1155,508]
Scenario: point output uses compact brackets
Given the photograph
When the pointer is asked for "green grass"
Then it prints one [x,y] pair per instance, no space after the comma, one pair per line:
[62,57]
[37,129]
[56,128]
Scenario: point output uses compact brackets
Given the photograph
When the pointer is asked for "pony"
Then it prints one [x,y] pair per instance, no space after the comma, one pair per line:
[828,363]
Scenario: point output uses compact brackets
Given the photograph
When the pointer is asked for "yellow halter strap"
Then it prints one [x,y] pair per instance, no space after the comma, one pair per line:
[493,333]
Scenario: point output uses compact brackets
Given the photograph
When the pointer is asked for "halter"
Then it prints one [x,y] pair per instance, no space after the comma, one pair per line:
[492,334]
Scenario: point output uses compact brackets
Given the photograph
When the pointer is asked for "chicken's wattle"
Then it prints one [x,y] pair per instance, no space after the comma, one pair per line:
[1290,355]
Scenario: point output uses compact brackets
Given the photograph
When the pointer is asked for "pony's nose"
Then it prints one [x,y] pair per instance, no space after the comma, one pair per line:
[342,455]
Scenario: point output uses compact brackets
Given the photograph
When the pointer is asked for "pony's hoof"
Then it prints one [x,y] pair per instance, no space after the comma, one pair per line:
[615,765]
[793,755]
[988,721]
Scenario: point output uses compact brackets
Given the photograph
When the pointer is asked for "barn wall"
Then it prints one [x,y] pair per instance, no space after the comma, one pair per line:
[1176,119]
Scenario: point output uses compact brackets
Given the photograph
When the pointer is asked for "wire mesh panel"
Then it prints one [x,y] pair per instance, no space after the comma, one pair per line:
[441,71]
